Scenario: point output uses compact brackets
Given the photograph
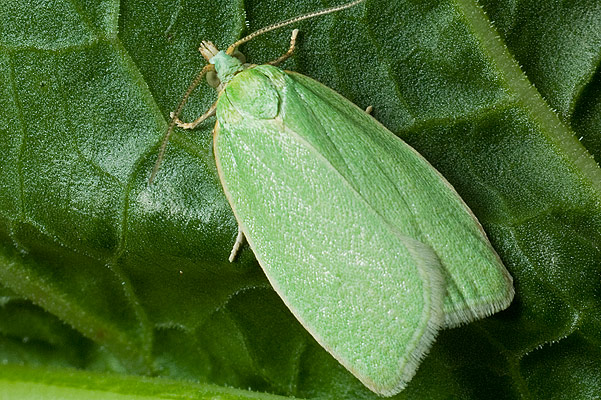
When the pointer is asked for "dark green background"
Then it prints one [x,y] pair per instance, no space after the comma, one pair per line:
[102,272]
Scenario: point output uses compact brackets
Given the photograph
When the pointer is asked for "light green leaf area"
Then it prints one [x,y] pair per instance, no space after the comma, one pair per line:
[100,271]
[26,383]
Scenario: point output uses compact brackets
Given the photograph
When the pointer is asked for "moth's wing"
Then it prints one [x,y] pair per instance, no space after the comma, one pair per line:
[407,192]
[368,294]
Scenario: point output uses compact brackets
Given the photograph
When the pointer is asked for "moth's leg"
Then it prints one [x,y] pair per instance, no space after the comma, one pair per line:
[369,109]
[175,119]
[191,125]
[283,58]
[239,242]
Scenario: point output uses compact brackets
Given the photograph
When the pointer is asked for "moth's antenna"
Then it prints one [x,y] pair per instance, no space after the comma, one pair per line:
[175,116]
[298,18]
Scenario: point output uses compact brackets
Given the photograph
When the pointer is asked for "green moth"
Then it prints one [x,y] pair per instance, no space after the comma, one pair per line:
[366,243]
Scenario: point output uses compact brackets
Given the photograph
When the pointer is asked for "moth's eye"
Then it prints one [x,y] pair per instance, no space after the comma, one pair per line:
[239,55]
[213,79]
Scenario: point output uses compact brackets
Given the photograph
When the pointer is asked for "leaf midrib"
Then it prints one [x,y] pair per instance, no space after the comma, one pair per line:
[534,104]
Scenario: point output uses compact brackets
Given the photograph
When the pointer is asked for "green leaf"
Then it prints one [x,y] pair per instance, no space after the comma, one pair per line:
[101,271]
[30,383]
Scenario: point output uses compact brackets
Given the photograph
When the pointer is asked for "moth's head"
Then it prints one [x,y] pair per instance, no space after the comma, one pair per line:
[226,65]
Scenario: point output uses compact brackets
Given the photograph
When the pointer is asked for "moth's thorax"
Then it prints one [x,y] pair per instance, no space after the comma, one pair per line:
[226,66]
[252,94]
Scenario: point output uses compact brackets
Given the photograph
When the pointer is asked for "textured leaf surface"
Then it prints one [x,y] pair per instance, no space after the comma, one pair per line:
[111,274]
